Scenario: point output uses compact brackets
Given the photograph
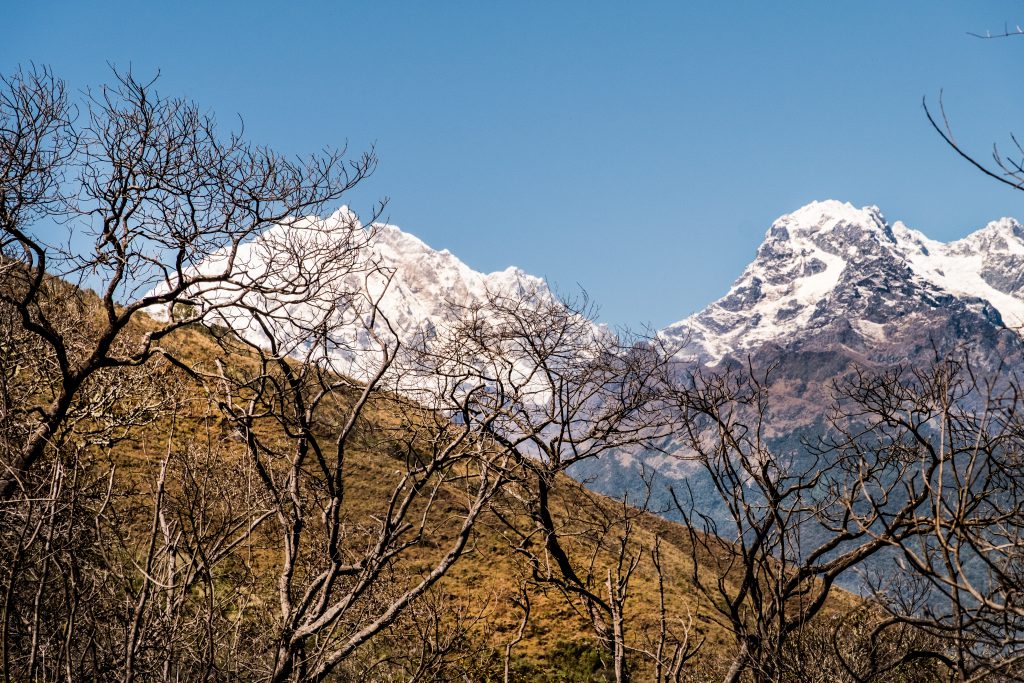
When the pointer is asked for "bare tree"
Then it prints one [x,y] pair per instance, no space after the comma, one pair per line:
[521,602]
[104,565]
[552,389]
[156,187]
[858,644]
[288,388]
[795,522]
[676,643]
[1004,168]
[1007,169]
[1006,32]
[141,198]
[957,430]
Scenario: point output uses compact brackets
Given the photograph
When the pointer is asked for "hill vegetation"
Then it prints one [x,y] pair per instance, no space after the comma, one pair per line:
[153,522]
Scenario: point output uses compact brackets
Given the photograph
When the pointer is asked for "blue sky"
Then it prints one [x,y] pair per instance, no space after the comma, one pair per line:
[638,150]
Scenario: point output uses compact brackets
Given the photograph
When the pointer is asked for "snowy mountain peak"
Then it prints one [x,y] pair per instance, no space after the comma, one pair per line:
[832,269]
[408,253]
[828,215]
[415,288]
[1004,226]
[831,225]
[1003,235]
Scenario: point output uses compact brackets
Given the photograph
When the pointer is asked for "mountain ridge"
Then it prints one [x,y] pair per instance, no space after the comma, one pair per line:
[828,275]
[829,260]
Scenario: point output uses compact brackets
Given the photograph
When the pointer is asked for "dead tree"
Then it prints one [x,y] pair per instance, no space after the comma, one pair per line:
[103,566]
[297,393]
[794,521]
[958,432]
[538,378]
[676,642]
[142,199]
[157,190]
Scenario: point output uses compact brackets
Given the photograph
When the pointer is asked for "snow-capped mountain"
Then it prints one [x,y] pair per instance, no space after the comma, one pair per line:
[831,276]
[828,278]
[831,287]
[366,286]
[422,283]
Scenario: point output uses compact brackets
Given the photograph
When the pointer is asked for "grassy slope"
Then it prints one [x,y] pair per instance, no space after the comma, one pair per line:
[486,580]
[484,583]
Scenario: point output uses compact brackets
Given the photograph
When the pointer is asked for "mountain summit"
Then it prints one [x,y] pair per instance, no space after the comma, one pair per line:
[831,274]
[363,280]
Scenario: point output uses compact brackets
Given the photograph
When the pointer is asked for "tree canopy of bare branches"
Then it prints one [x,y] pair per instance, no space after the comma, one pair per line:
[155,189]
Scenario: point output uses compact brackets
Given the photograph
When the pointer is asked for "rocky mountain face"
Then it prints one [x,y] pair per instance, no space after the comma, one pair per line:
[833,286]
[833,276]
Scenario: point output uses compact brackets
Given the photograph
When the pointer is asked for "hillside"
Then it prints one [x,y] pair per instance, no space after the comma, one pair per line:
[155,436]
[157,440]
[479,603]
[276,446]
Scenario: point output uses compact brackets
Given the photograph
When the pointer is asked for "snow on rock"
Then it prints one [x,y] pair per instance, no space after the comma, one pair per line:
[987,264]
[829,262]
[368,285]
[420,285]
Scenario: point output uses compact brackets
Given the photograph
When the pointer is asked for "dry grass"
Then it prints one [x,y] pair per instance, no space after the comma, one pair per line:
[482,588]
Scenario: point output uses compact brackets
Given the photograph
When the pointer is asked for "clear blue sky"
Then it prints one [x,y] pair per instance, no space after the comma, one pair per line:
[636,149]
